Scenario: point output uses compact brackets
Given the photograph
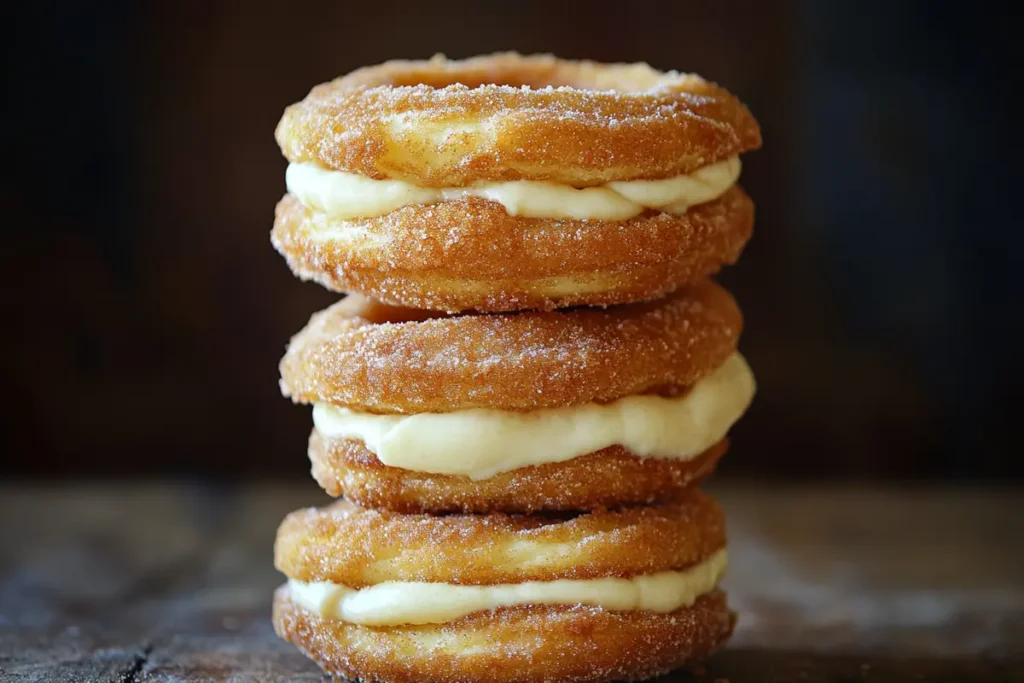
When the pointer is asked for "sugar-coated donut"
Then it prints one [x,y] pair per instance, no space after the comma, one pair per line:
[471,254]
[376,358]
[511,117]
[346,544]
[573,644]
[608,478]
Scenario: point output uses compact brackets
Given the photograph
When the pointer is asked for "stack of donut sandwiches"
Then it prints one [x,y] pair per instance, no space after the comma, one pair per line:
[529,375]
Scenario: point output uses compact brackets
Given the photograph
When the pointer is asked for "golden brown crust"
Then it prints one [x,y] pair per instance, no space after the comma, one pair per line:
[449,123]
[573,644]
[611,477]
[347,544]
[454,255]
[349,354]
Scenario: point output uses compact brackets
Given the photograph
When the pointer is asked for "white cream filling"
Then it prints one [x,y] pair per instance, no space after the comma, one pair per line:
[395,603]
[480,443]
[349,195]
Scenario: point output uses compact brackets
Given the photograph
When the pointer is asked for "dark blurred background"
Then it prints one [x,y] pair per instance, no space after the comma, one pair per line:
[144,309]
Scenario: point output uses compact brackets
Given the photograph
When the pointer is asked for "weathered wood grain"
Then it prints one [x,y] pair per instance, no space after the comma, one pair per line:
[169,582]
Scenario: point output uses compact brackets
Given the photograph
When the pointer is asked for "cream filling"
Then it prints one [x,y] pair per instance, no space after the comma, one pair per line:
[480,443]
[349,195]
[395,603]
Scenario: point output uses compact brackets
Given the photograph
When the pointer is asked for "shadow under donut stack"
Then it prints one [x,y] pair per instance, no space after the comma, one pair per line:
[530,375]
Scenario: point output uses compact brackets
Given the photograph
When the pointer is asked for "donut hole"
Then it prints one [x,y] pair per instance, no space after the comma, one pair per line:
[532,72]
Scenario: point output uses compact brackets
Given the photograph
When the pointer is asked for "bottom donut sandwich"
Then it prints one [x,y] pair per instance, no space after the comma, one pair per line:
[622,594]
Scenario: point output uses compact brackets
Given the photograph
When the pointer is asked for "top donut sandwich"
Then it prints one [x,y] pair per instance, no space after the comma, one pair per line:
[509,182]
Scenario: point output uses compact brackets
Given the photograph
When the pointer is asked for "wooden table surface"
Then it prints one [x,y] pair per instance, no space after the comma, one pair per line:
[172,582]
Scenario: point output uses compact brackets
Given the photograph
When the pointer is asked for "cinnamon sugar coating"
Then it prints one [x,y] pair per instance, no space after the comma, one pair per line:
[572,644]
[610,477]
[377,358]
[447,123]
[344,543]
[471,254]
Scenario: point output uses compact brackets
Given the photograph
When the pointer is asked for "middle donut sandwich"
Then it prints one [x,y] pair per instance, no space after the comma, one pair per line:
[538,411]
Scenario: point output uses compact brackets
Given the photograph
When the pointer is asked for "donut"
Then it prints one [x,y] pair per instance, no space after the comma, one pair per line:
[375,358]
[509,117]
[607,478]
[378,595]
[636,449]
[345,544]
[509,183]
[465,454]
[454,256]
[575,644]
